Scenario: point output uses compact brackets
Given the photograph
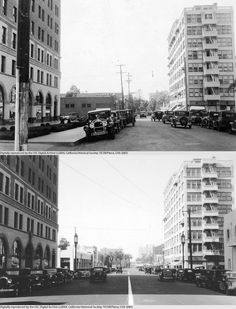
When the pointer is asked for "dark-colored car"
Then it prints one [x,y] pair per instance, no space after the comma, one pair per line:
[207,121]
[205,278]
[148,270]
[196,116]
[232,127]
[186,274]
[130,117]
[158,115]
[57,279]
[227,283]
[167,274]
[15,281]
[40,278]
[98,274]
[117,121]
[167,116]
[181,118]
[66,273]
[99,123]
[119,270]
[143,114]
[223,121]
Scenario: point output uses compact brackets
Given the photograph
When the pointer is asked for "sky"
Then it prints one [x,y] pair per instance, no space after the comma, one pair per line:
[98,35]
[116,201]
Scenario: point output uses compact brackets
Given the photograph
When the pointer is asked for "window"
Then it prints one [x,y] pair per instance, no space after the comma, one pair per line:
[4,7]
[32,27]
[4,35]
[14,14]
[15,220]
[6,216]
[33,5]
[14,40]
[13,68]
[20,222]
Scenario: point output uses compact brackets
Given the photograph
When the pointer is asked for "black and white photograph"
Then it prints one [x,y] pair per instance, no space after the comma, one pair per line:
[117,154]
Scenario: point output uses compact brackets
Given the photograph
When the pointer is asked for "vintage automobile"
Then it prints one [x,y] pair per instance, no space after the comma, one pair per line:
[196,116]
[66,273]
[143,114]
[166,118]
[205,278]
[227,283]
[98,274]
[40,278]
[181,118]
[57,278]
[100,122]
[15,281]
[117,120]
[207,121]
[167,274]
[158,115]
[232,127]
[119,270]
[197,271]
[130,117]
[223,121]
[69,117]
[186,274]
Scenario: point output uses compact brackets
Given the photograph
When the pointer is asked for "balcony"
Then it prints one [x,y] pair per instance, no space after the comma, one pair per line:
[209,187]
[210,45]
[211,252]
[210,213]
[209,21]
[210,226]
[206,238]
[210,200]
[231,243]
[209,174]
[209,33]
[210,84]
[211,58]
[212,97]
[212,71]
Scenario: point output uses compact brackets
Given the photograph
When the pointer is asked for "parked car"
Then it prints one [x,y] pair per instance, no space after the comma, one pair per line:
[167,116]
[196,116]
[181,118]
[119,270]
[40,278]
[232,127]
[98,274]
[167,274]
[227,284]
[205,278]
[158,115]
[222,122]
[207,121]
[130,117]
[217,277]
[66,273]
[117,120]
[57,279]
[100,123]
[148,270]
[15,281]
[186,274]
[143,114]
[70,117]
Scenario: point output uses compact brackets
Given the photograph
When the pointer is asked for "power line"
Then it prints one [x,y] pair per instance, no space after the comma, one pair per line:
[100,185]
[122,87]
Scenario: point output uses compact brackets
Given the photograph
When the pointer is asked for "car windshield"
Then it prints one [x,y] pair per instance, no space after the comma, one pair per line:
[182,113]
[100,115]
[98,269]
[229,115]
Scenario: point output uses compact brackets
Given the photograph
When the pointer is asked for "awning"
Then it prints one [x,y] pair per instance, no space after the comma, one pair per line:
[197,108]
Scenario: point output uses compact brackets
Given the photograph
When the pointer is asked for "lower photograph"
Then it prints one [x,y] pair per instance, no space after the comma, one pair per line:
[142,229]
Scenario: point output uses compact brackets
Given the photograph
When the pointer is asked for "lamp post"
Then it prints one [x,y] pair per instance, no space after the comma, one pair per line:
[190,238]
[76,243]
[183,242]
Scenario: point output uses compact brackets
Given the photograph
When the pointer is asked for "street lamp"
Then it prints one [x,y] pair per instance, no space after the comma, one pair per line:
[76,243]
[183,242]
[190,237]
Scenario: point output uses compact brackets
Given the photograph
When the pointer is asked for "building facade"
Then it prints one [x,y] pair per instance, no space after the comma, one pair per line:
[201,58]
[203,192]
[44,95]
[82,103]
[28,211]
[230,240]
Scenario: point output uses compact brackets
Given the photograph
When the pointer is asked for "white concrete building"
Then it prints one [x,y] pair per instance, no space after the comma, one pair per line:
[230,240]
[202,58]
[205,188]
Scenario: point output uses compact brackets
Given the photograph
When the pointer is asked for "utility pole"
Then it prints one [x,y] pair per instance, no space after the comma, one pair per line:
[190,239]
[129,80]
[122,87]
[22,76]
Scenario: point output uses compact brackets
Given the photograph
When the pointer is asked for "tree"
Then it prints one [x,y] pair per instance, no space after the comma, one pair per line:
[63,244]
[127,258]
[73,92]
[119,255]
[158,100]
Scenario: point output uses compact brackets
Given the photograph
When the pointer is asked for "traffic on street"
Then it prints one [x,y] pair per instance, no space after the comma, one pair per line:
[131,287]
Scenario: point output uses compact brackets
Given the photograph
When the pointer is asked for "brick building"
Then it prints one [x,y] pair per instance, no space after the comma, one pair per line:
[28,211]
[44,95]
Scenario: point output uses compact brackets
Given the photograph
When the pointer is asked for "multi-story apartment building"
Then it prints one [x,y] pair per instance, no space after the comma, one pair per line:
[45,25]
[201,191]
[28,211]
[230,240]
[202,58]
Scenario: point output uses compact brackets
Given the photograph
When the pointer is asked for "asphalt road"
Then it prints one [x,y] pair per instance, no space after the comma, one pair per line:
[156,136]
[130,288]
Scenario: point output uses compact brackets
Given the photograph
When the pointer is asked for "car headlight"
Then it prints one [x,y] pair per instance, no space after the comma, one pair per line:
[92,125]
[105,123]
[9,281]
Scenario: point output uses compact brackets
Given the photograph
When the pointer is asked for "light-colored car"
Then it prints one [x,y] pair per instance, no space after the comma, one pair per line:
[70,117]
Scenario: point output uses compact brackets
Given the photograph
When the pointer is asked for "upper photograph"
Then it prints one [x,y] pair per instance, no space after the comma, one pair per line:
[117,75]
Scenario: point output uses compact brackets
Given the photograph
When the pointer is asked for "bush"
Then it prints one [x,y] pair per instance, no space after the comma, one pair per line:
[3,129]
[63,127]
[7,135]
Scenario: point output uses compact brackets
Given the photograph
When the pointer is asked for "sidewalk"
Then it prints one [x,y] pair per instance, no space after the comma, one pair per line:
[66,138]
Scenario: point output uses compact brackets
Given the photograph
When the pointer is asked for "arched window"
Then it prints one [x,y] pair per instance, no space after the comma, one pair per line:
[16,254]
[3,259]
[13,95]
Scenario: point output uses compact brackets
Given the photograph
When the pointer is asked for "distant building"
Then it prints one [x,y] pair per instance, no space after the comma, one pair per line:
[202,58]
[44,95]
[28,211]
[84,102]
[230,240]
[205,188]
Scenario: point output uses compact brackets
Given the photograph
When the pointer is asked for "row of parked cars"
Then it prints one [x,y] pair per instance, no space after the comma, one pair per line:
[216,279]
[23,281]
[108,122]
[221,121]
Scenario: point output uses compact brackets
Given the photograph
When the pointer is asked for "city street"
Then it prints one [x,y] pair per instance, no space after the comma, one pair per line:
[156,136]
[130,288]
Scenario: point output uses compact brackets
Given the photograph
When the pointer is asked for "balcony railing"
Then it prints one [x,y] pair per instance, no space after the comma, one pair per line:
[213,45]
[211,252]
[212,71]
[212,97]
[210,238]
[211,58]
[210,213]
[210,226]
[209,33]
[209,174]
[210,84]
[210,200]
[207,21]
[210,187]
